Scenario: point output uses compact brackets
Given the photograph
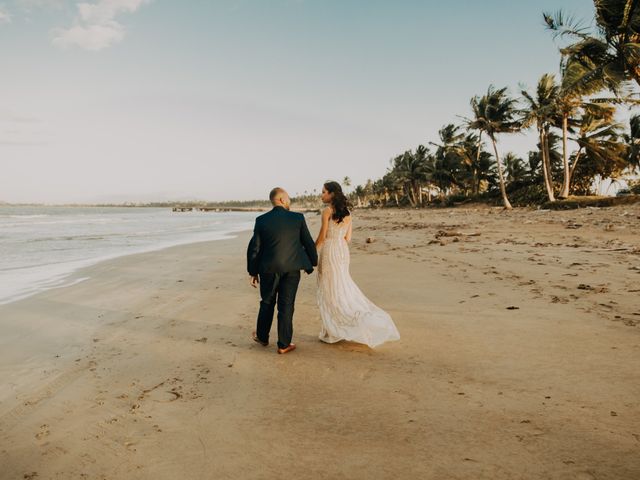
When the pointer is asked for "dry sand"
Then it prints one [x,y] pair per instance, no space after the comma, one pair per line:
[519,359]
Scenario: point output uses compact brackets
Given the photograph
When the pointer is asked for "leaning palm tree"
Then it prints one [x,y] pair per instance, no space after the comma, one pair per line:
[597,137]
[474,162]
[495,113]
[610,54]
[540,111]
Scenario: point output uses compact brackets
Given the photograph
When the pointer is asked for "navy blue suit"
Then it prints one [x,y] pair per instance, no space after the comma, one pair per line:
[281,246]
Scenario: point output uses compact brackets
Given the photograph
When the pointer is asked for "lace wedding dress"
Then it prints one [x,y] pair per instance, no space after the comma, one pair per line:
[346,313]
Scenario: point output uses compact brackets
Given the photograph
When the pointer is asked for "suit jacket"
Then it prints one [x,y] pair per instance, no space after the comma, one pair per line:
[281,243]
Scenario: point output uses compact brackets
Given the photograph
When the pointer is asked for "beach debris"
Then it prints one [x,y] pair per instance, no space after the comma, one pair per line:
[455,233]
[370,240]
[573,226]
[614,414]
[584,286]
[609,227]
[201,340]
[30,476]
[513,307]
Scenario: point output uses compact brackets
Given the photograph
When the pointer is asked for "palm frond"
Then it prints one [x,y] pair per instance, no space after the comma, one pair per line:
[563,25]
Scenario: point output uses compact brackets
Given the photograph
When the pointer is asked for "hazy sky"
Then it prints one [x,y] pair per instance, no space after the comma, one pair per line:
[115,100]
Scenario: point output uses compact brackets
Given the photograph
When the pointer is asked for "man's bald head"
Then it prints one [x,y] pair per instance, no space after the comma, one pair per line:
[279,198]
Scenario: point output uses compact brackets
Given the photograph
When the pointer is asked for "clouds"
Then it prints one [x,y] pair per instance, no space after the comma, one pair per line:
[95,26]
[5,17]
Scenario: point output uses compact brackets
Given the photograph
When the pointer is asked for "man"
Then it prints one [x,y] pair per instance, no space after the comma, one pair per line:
[281,246]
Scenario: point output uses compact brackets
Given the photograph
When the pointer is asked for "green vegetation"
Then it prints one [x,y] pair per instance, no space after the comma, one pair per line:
[599,77]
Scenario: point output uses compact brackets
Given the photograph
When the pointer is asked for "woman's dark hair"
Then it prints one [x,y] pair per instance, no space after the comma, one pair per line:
[339,201]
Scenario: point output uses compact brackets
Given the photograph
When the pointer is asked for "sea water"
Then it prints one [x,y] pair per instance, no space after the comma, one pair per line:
[40,247]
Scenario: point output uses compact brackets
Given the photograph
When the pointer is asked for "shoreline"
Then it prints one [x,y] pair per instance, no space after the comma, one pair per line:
[157,377]
[44,276]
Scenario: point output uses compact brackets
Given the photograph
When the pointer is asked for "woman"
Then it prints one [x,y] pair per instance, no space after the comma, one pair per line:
[346,313]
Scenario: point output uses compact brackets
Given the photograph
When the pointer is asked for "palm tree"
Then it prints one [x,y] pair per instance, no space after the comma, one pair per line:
[346,181]
[393,184]
[633,144]
[514,168]
[610,55]
[412,171]
[569,102]
[541,111]
[359,194]
[495,113]
[447,165]
[597,136]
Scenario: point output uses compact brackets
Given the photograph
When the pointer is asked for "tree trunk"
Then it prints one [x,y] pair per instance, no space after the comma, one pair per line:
[545,171]
[503,189]
[409,193]
[574,165]
[476,181]
[565,157]
[547,159]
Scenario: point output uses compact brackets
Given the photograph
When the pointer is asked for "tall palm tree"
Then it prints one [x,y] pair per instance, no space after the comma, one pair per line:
[610,53]
[540,111]
[495,113]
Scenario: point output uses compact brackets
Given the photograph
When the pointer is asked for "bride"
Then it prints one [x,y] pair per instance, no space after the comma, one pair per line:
[346,313]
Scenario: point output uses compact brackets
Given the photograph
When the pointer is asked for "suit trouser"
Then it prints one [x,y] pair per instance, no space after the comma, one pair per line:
[277,289]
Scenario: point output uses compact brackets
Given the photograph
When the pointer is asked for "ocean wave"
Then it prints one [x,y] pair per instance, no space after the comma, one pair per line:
[25,216]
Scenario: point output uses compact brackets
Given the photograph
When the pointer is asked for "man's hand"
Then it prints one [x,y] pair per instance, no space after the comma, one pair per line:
[255,281]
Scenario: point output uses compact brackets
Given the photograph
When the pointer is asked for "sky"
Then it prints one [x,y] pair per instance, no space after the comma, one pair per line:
[152,100]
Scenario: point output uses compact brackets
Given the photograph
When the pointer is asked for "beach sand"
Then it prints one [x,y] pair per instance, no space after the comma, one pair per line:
[519,359]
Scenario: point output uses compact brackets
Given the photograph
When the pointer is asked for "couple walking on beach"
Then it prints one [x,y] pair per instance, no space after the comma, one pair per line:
[282,246]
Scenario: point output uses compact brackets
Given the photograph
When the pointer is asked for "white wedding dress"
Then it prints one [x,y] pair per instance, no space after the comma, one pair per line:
[346,313]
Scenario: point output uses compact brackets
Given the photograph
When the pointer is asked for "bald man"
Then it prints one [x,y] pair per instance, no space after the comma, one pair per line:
[281,246]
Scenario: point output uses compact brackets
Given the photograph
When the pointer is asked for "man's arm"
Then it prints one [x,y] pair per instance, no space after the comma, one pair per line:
[308,243]
[253,252]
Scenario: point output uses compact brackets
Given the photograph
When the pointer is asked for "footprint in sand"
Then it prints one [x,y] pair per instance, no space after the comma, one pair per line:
[44,431]
[585,476]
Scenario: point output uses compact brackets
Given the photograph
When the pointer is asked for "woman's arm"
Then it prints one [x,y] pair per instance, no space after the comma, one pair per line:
[347,237]
[326,216]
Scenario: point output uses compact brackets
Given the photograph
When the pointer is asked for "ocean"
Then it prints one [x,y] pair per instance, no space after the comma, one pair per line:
[40,247]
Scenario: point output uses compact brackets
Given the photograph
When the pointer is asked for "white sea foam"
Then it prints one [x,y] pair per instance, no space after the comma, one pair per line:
[47,245]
